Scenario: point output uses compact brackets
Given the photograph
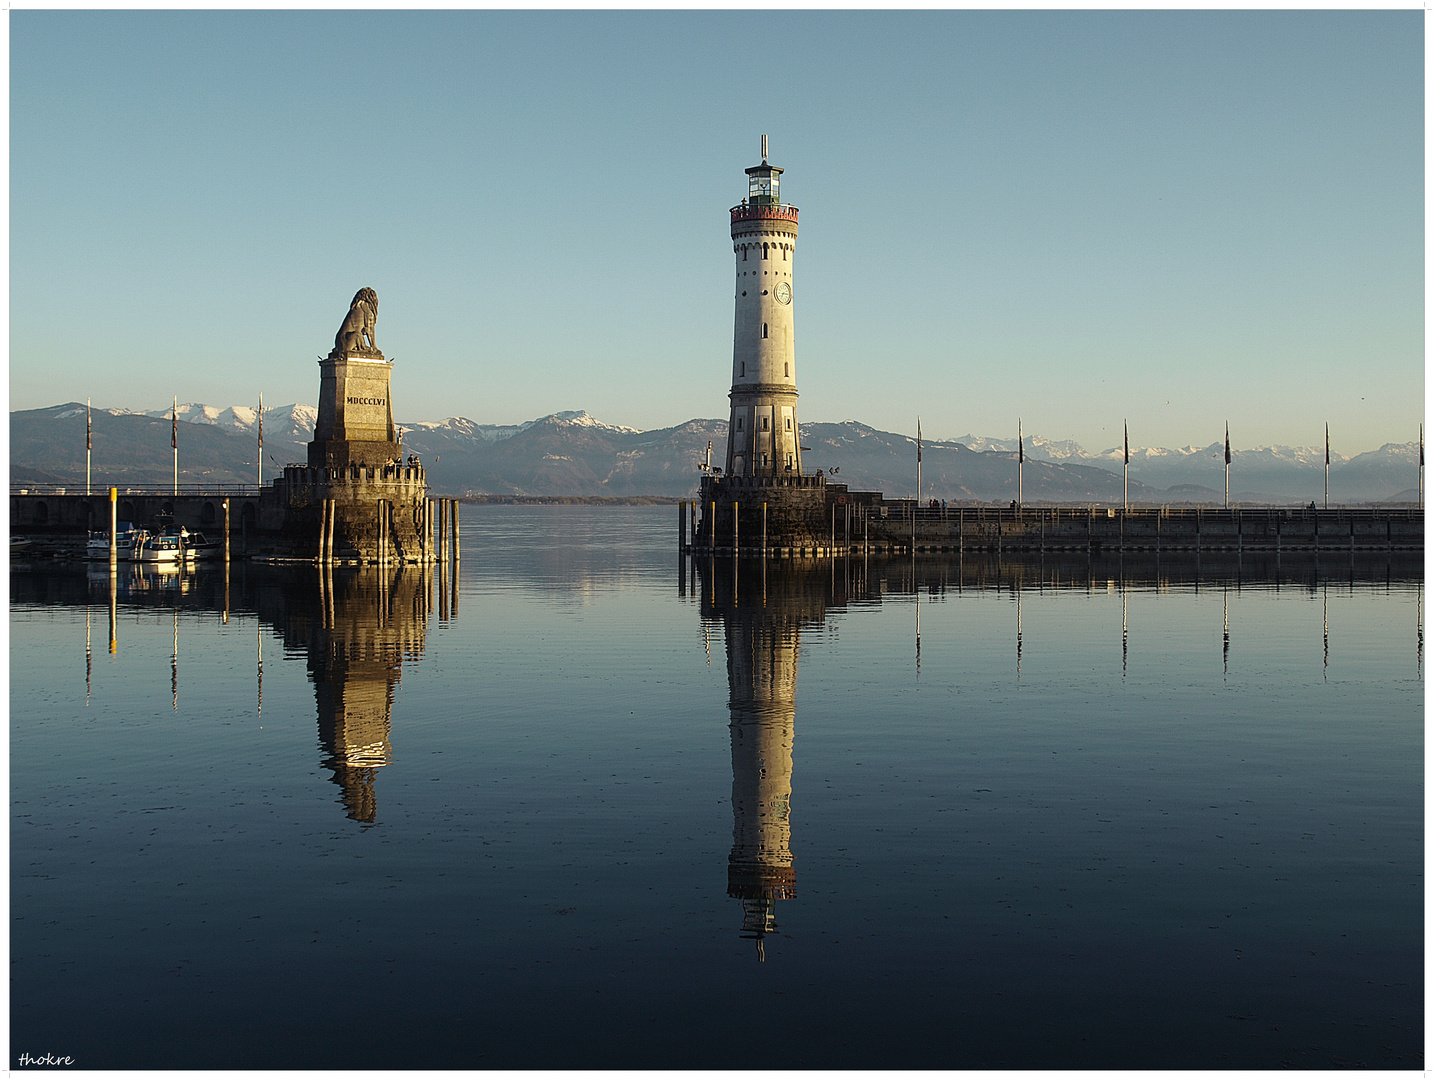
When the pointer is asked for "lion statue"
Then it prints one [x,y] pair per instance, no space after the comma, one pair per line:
[358,324]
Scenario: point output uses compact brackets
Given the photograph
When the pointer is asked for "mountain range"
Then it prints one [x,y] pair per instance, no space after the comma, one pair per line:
[574,454]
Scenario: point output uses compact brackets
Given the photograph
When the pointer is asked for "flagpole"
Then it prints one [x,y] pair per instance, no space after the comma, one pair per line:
[1326,465]
[1020,465]
[1227,465]
[1421,465]
[1127,465]
[918,460]
[174,441]
[89,439]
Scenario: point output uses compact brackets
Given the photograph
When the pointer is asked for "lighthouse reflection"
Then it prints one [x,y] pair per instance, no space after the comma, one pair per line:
[763,611]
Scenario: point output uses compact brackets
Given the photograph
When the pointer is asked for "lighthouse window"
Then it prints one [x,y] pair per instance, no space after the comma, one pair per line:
[764,329]
[789,423]
[743,373]
[789,461]
[739,423]
[787,371]
[764,423]
[764,251]
[744,252]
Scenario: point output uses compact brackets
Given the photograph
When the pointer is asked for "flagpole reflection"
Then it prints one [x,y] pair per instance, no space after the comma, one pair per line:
[1018,634]
[917,586]
[1326,633]
[1124,632]
[1226,651]
[174,663]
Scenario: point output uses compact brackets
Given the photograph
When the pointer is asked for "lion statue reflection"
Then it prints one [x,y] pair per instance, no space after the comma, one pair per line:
[358,325]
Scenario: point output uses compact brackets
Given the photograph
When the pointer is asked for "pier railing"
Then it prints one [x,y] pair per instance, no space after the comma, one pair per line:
[102,490]
[854,521]
[904,510]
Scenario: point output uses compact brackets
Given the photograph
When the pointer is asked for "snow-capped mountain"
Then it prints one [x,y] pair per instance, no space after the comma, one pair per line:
[296,420]
[461,427]
[1038,447]
[574,453]
[1258,473]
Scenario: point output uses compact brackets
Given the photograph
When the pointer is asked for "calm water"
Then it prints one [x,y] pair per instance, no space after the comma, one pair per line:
[587,808]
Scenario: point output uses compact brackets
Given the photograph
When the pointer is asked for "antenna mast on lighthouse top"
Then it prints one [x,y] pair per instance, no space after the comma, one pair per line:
[764,149]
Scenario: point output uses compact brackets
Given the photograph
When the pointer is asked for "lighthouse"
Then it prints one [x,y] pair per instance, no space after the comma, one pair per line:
[759,500]
[762,434]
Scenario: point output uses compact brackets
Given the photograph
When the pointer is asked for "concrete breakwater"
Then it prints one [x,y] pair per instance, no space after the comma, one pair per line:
[865,522]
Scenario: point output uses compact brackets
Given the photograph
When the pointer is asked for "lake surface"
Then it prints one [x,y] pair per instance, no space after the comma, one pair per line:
[585,806]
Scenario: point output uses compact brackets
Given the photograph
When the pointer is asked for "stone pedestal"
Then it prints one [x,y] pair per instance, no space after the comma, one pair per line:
[355,423]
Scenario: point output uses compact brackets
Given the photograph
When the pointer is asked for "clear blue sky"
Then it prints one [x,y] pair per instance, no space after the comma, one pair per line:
[1071,217]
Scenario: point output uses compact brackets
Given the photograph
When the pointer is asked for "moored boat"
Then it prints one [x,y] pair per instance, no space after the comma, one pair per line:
[128,540]
[197,546]
[167,547]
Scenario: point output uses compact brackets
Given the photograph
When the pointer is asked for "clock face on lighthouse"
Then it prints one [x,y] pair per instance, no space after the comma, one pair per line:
[784,293]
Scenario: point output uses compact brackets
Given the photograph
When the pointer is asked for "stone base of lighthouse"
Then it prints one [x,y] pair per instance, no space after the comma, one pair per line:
[738,512]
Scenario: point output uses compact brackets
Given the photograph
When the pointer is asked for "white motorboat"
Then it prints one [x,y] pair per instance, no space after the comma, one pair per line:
[128,540]
[196,546]
[167,547]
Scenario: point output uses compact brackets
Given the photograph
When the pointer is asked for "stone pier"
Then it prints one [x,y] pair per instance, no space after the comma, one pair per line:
[829,519]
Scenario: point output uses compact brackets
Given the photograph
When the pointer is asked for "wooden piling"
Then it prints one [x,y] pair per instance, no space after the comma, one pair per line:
[378,534]
[114,607]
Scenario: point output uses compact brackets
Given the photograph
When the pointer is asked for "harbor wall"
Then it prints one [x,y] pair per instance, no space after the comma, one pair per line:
[58,523]
[380,513]
[849,521]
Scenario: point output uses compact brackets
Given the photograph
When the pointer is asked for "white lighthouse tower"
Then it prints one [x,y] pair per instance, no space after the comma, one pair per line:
[764,503]
[762,435]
